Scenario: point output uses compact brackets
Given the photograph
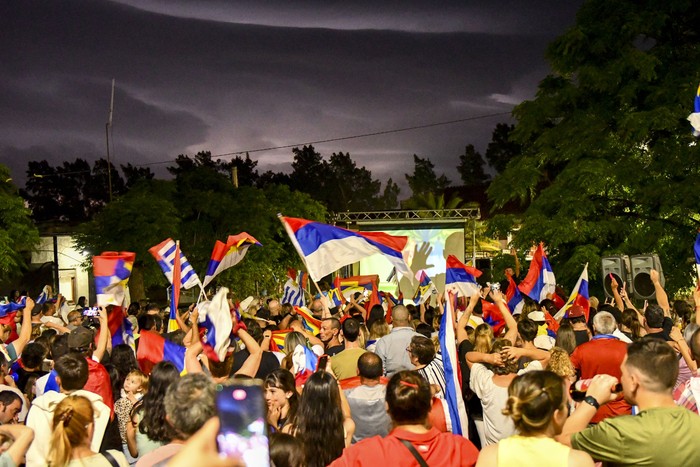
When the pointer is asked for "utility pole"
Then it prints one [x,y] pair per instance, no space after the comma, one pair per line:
[108,128]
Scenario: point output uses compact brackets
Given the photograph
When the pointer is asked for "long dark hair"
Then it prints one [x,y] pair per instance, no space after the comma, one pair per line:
[284,380]
[320,420]
[124,360]
[153,423]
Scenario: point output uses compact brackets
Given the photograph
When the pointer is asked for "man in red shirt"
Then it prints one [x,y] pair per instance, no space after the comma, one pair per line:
[409,400]
[81,340]
[602,355]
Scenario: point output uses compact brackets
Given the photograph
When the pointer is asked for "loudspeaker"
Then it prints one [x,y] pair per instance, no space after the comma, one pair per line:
[619,267]
[641,280]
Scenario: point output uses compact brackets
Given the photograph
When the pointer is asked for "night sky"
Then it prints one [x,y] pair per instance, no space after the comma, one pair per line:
[228,76]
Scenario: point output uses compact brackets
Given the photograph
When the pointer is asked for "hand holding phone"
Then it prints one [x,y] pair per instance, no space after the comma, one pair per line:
[243,431]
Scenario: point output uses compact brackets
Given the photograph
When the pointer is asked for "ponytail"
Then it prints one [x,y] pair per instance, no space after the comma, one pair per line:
[71,419]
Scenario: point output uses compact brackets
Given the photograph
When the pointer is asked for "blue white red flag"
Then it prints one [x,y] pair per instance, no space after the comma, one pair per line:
[43,296]
[696,249]
[112,271]
[11,307]
[164,253]
[460,279]
[120,327]
[540,280]
[326,248]
[579,296]
[304,363]
[293,293]
[226,255]
[493,317]
[215,318]
[450,363]
[513,297]
[335,297]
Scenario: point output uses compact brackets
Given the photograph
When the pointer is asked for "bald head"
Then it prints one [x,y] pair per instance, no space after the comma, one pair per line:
[400,315]
[369,365]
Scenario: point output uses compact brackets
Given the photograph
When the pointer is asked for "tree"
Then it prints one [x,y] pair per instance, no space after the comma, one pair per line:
[307,170]
[18,235]
[502,149]
[424,181]
[471,167]
[608,162]
[390,196]
[134,174]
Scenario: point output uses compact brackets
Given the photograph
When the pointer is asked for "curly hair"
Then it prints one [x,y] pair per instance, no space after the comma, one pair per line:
[153,423]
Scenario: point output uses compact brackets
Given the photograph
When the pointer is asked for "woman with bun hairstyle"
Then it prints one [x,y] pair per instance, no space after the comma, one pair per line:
[537,403]
[72,434]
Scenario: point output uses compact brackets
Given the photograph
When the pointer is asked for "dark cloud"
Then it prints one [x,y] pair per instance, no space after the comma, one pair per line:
[235,76]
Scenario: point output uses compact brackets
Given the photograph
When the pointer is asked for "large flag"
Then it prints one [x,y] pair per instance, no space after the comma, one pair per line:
[696,248]
[579,296]
[460,279]
[515,300]
[112,271]
[453,389]
[120,327]
[540,280]
[294,288]
[226,255]
[164,253]
[425,288]
[215,318]
[326,248]
[694,118]
[154,348]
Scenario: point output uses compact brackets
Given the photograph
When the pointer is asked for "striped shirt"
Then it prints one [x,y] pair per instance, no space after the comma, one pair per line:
[684,397]
[435,374]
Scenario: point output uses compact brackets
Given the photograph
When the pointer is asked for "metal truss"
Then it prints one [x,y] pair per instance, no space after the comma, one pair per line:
[421,216]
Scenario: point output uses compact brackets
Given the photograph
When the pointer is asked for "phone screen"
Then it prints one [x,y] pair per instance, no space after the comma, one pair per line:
[243,431]
[94,311]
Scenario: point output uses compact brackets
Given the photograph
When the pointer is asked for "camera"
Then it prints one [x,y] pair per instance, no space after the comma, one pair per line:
[91,317]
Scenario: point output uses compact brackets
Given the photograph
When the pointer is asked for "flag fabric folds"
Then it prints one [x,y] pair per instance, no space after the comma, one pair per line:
[11,307]
[226,255]
[154,348]
[43,296]
[277,340]
[367,283]
[215,318]
[164,253]
[112,271]
[453,390]
[425,288]
[293,292]
[310,323]
[513,297]
[493,317]
[460,278]
[540,280]
[335,297]
[304,362]
[120,327]
[579,296]
[326,248]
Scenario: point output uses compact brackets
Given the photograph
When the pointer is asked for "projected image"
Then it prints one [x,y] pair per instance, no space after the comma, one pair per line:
[432,246]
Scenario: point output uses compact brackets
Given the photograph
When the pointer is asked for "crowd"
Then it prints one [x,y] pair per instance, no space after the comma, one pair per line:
[613,384]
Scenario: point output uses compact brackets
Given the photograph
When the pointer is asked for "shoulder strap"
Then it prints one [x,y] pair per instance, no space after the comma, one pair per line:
[414,452]
[110,458]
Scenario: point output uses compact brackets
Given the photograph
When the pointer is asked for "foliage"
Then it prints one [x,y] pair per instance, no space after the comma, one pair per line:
[608,163]
[424,180]
[18,235]
[501,150]
[471,167]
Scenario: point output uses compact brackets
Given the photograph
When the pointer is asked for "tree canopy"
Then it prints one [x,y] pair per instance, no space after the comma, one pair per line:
[608,163]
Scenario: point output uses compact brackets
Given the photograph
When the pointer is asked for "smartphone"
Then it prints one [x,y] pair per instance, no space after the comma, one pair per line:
[243,430]
[92,311]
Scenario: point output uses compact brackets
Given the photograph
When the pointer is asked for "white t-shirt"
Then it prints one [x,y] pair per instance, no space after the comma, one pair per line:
[493,399]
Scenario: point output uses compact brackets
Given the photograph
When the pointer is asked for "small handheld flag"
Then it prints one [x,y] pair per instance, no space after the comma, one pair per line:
[112,271]
[226,255]
[540,280]
[579,296]
[164,253]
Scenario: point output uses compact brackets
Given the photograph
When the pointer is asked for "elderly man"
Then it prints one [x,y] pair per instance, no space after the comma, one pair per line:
[661,434]
[392,347]
[602,355]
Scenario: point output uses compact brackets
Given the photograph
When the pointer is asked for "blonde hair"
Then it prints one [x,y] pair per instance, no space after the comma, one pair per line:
[141,377]
[483,338]
[71,419]
[379,329]
[560,363]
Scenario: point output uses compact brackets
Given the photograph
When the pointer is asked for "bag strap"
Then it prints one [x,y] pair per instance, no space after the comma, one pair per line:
[414,452]
[110,458]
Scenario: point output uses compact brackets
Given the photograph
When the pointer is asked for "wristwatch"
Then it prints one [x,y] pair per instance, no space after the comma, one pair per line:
[590,400]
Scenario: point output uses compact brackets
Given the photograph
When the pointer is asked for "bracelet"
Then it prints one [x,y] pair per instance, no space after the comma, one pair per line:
[590,400]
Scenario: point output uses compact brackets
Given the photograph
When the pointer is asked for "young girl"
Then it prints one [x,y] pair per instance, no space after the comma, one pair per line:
[135,387]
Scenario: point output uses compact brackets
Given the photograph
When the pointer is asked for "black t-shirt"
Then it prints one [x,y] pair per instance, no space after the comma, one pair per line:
[268,364]
[336,349]
[474,407]
[665,334]
[581,337]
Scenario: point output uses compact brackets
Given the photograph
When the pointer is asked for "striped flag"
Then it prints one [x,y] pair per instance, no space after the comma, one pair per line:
[310,323]
[425,288]
[460,278]
[294,288]
[120,327]
[515,300]
[579,296]
[450,364]
[540,280]
[164,253]
[112,271]
[277,340]
[43,296]
[215,317]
